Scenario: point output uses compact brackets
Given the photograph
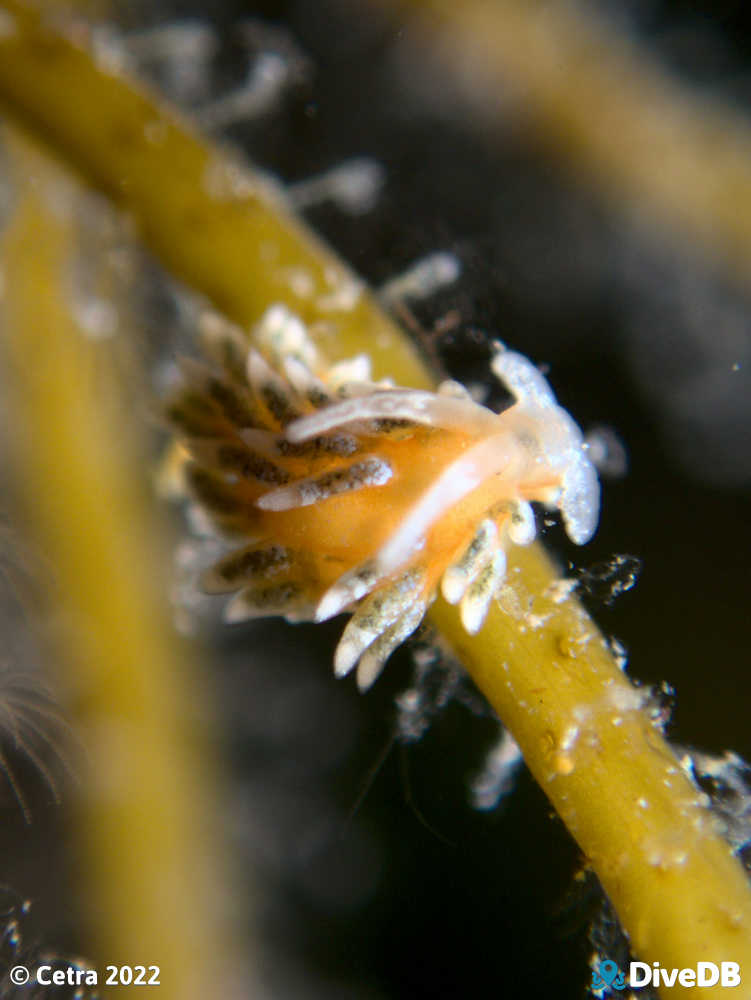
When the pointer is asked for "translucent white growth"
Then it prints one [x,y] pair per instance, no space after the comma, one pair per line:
[479,553]
[606,451]
[182,52]
[560,590]
[497,776]
[276,63]
[424,278]
[109,51]
[304,381]
[346,292]
[353,186]
[370,471]
[267,78]
[96,317]
[282,336]
[261,374]
[178,41]
[475,604]
[728,780]
[373,617]
[375,656]
[353,370]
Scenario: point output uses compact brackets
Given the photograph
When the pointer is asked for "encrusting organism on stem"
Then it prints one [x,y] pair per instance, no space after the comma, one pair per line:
[360,496]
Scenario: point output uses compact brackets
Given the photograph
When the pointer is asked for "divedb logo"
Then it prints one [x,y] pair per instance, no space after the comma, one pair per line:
[607,977]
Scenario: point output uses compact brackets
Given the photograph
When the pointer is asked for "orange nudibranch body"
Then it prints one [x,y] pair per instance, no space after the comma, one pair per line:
[345,494]
[351,527]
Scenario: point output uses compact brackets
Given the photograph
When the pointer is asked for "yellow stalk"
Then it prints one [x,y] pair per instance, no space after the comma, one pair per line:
[144,816]
[652,146]
[542,664]
[237,242]
[609,773]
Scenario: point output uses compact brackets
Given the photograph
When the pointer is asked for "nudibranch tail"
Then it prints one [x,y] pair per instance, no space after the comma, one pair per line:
[337,493]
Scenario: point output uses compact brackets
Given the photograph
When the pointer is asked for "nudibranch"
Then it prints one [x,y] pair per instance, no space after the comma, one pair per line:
[336,493]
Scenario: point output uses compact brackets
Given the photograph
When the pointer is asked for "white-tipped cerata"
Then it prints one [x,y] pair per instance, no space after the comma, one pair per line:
[479,553]
[370,471]
[280,446]
[373,617]
[396,404]
[476,601]
[375,656]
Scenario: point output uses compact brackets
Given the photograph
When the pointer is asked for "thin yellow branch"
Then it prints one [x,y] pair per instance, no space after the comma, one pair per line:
[223,230]
[542,663]
[611,776]
[149,885]
[653,146]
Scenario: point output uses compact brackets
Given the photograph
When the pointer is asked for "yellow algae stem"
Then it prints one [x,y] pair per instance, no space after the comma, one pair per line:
[225,230]
[653,147]
[150,887]
[611,776]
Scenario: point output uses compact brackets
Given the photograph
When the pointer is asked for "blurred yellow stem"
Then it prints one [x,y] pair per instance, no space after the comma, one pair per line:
[145,816]
[224,230]
[611,776]
[542,663]
[655,148]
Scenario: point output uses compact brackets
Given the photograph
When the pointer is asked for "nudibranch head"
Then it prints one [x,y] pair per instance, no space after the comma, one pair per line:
[337,493]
